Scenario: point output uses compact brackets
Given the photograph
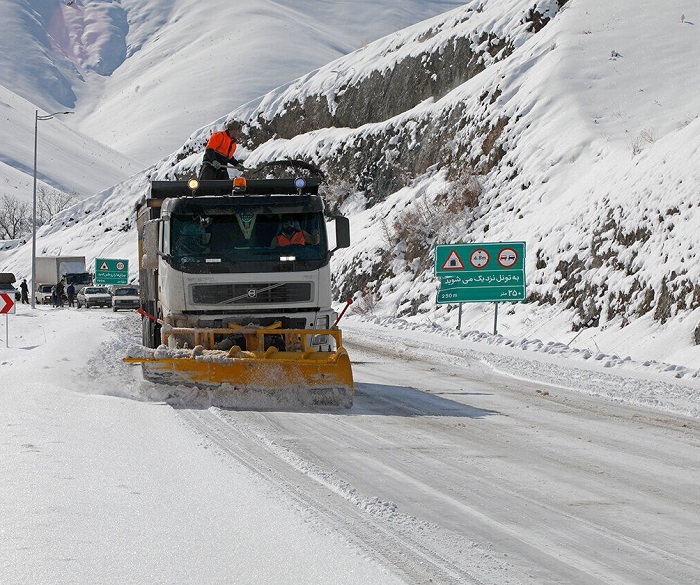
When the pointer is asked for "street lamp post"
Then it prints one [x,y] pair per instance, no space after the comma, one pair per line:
[37,117]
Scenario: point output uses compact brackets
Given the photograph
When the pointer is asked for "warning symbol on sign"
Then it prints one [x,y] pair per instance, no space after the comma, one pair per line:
[7,304]
[453,262]
[104,266]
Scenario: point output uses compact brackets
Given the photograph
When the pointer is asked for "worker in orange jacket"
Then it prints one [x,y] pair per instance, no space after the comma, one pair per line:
[219,153]
[290,234]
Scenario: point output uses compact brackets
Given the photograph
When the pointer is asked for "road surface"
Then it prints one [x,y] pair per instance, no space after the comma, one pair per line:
[444,470]
[447,472]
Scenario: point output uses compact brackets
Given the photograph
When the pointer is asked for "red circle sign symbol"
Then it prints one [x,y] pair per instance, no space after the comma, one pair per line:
[479,258]
[507,257]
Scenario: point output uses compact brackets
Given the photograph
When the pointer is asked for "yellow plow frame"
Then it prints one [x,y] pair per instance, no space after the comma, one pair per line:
[300,370]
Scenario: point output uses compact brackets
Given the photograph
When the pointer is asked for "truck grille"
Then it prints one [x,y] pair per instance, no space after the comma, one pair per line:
[249,294]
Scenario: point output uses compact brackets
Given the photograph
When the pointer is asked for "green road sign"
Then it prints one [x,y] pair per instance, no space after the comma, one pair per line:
[111,271]
[482,272]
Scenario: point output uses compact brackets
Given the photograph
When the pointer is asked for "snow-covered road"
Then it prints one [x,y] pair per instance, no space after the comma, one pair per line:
[549,485]
[445,470]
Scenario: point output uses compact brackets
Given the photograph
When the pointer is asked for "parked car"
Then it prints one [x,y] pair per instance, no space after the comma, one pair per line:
[43,294]
[125,297]
[6,286]
[94,296]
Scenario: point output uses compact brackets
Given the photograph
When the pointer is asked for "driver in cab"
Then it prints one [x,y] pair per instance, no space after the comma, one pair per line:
[290,233]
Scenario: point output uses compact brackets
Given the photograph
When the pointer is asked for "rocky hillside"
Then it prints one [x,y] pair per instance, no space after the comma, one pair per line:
[478,126]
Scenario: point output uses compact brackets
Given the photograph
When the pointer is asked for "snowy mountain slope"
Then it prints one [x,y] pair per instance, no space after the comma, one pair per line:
[551,137]
[141,75]
[66,160]
[580,150]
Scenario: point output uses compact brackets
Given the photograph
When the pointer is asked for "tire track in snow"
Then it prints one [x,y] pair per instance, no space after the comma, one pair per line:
[369,523]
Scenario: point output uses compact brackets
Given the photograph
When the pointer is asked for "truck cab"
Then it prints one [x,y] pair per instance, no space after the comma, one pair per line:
[258,256]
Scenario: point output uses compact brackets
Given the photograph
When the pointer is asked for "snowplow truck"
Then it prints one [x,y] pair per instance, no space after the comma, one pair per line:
[230,303]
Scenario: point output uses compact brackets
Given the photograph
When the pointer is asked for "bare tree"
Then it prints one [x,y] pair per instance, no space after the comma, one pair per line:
[49,202]
[15,218]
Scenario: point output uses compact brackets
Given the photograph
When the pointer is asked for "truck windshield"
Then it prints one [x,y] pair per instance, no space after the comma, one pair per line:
[241,239]
[78,278]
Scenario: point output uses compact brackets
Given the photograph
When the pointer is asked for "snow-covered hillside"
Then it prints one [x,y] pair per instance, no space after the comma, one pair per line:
[66,160]
[141,75]
[572,126]
[563,134]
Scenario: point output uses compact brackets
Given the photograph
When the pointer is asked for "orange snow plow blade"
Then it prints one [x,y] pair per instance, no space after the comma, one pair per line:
[298,374]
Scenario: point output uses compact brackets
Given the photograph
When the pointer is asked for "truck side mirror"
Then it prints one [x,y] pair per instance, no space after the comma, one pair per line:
[149,259]
[342,232]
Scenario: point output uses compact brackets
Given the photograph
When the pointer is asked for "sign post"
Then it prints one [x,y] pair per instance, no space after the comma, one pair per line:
[481,272]
[7,306]
[111,271]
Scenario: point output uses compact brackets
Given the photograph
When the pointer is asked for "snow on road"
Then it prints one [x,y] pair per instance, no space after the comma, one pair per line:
[666,387]
[100,488]
[565,486]
[460,462]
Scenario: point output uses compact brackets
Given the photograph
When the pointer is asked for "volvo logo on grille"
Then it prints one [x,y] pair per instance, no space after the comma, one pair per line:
[252,293]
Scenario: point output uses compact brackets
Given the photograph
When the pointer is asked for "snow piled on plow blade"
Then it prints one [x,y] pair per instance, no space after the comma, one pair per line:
[268,379]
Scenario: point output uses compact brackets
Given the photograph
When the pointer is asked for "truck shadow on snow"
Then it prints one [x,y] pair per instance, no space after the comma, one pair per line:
[370,400]
[387,400]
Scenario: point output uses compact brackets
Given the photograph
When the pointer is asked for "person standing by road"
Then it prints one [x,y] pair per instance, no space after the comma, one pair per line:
[219,153]
[60,291]
[70,292]
[24,289]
